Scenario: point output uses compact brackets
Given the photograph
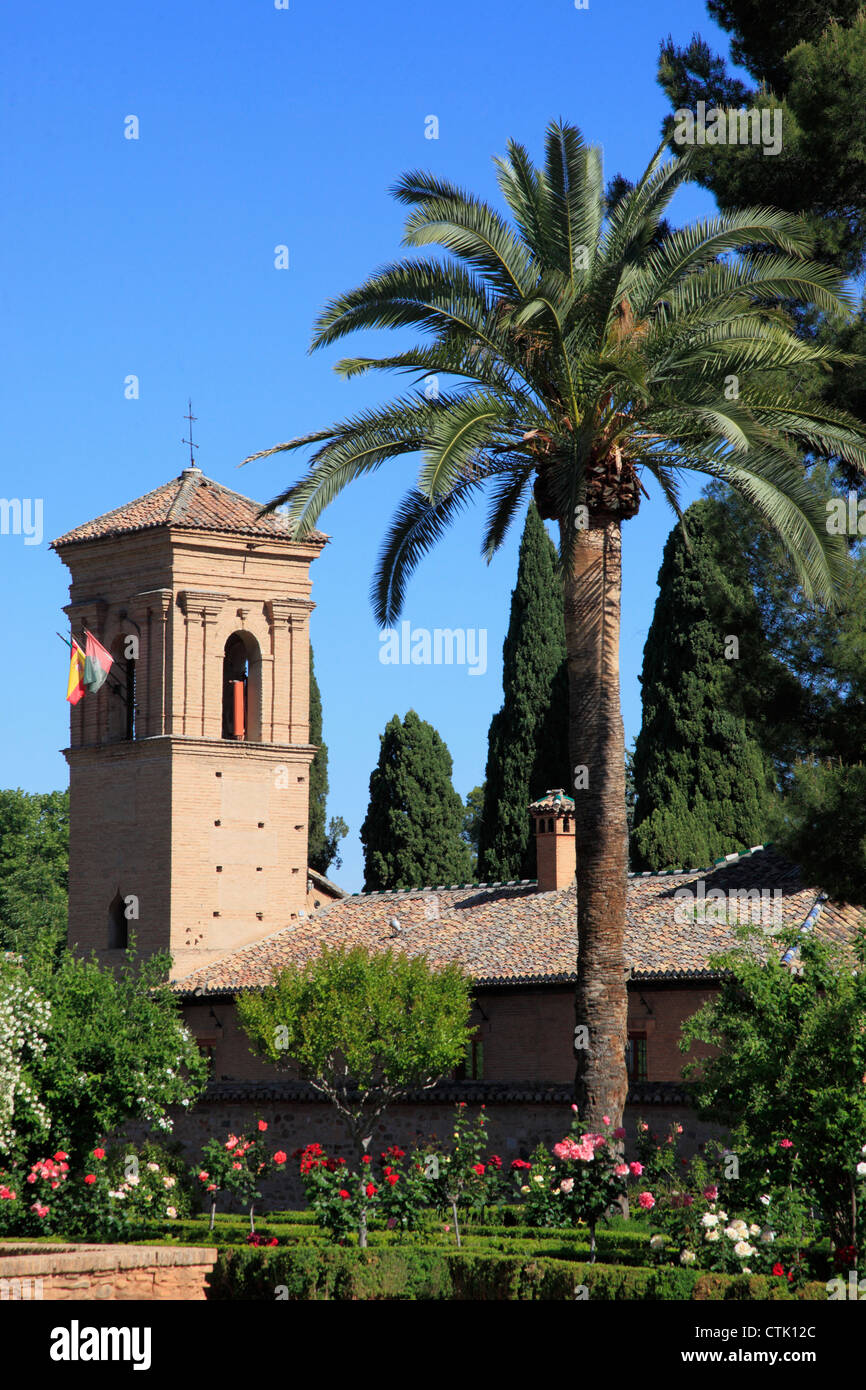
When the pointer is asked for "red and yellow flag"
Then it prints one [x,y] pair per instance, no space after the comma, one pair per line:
[75,684]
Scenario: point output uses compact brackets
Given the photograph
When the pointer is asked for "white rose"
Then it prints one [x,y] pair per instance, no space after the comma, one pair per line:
[767,1235]
[708,1219]
[170,1211]
[731,1233]
[567,1184]
[712,1235]
[657,1242]
[743,1249]
[539,1178]
[687,1257]
[153,1167]
[754,1230]
[766,1201]
[861,1170]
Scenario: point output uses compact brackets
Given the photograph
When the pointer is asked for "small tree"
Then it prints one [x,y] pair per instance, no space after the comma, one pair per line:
[789,1081]
[363,1028]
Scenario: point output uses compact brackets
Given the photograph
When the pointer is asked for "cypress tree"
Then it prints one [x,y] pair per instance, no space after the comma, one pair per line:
[322,844]
[703,784]
[527,746]
[412,833]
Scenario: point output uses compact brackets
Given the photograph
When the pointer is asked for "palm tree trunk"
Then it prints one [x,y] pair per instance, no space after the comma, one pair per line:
[592,603]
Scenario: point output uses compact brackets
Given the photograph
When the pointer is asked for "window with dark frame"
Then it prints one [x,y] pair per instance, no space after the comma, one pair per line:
[635,1057]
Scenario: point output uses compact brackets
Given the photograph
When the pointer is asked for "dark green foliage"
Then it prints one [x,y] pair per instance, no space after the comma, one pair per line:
[433,1273]
[790,1067]
[814,71]
[527,747]
[821,826]
[412,833]
[322,844]
[117,1048]
[34,871]
[801,680]
[472,812]
[702,784]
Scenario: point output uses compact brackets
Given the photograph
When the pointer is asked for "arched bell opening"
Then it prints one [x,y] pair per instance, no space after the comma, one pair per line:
[242,689]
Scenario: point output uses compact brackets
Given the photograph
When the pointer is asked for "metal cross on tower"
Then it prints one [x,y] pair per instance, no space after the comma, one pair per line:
[192,419]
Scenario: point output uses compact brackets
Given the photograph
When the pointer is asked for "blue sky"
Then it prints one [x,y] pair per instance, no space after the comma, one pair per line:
[155,257]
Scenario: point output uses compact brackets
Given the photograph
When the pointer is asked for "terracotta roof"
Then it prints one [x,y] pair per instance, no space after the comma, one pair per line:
[190,502]
[510,934]
[555,800]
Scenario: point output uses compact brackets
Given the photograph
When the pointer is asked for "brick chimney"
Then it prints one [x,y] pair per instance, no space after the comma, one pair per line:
[553,814]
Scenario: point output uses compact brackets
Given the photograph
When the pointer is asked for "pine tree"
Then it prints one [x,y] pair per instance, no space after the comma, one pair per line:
[527,746]
[322,844]
[703,784]
[412,833]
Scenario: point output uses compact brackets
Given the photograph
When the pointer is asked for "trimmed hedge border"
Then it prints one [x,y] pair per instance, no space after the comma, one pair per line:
[310,1273]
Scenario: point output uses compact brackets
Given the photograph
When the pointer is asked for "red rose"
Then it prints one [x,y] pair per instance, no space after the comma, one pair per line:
[391,1178]
[494,1161]
[366,1159]
[90,1179]
[778,1269]
[371,1189]
[479,1169]
[263,1124]
[99,1153]
[273,1241]
[280,1157]
[344,1194]
[59,1156]
[203,1177]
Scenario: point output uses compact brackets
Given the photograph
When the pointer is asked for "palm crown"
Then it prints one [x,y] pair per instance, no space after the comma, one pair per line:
[582,350]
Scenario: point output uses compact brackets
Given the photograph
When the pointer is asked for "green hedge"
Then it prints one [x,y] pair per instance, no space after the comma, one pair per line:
[415,1273]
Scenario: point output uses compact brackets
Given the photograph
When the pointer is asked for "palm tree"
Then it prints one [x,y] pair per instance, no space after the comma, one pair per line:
[588,349]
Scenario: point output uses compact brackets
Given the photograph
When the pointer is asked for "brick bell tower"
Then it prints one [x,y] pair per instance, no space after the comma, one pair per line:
[189,769]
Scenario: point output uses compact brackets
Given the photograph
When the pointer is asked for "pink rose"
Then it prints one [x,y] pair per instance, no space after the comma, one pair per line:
[605,1119]
[621,1170]
[646,1200]
[711,1193]
[786,1144]
[636,1169]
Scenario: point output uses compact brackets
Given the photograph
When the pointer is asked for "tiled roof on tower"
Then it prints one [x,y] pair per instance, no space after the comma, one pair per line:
[191,502]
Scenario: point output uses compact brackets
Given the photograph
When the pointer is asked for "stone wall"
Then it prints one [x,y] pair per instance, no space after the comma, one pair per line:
[119,1273]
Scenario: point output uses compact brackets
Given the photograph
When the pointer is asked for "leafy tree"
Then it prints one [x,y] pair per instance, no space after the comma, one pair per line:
[472,811]
[363,1028]
[25,1018]
[790,1068]
[800,683]
[583,362]
[810,64]
[322,844]
[413,831]
[116,1049]
[527,746]
[821,826]
[702,784]
[34,871]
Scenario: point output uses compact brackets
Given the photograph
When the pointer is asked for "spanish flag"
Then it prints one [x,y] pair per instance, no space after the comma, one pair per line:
[75,685]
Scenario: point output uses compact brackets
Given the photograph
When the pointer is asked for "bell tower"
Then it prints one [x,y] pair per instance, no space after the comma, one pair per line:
[189,768]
